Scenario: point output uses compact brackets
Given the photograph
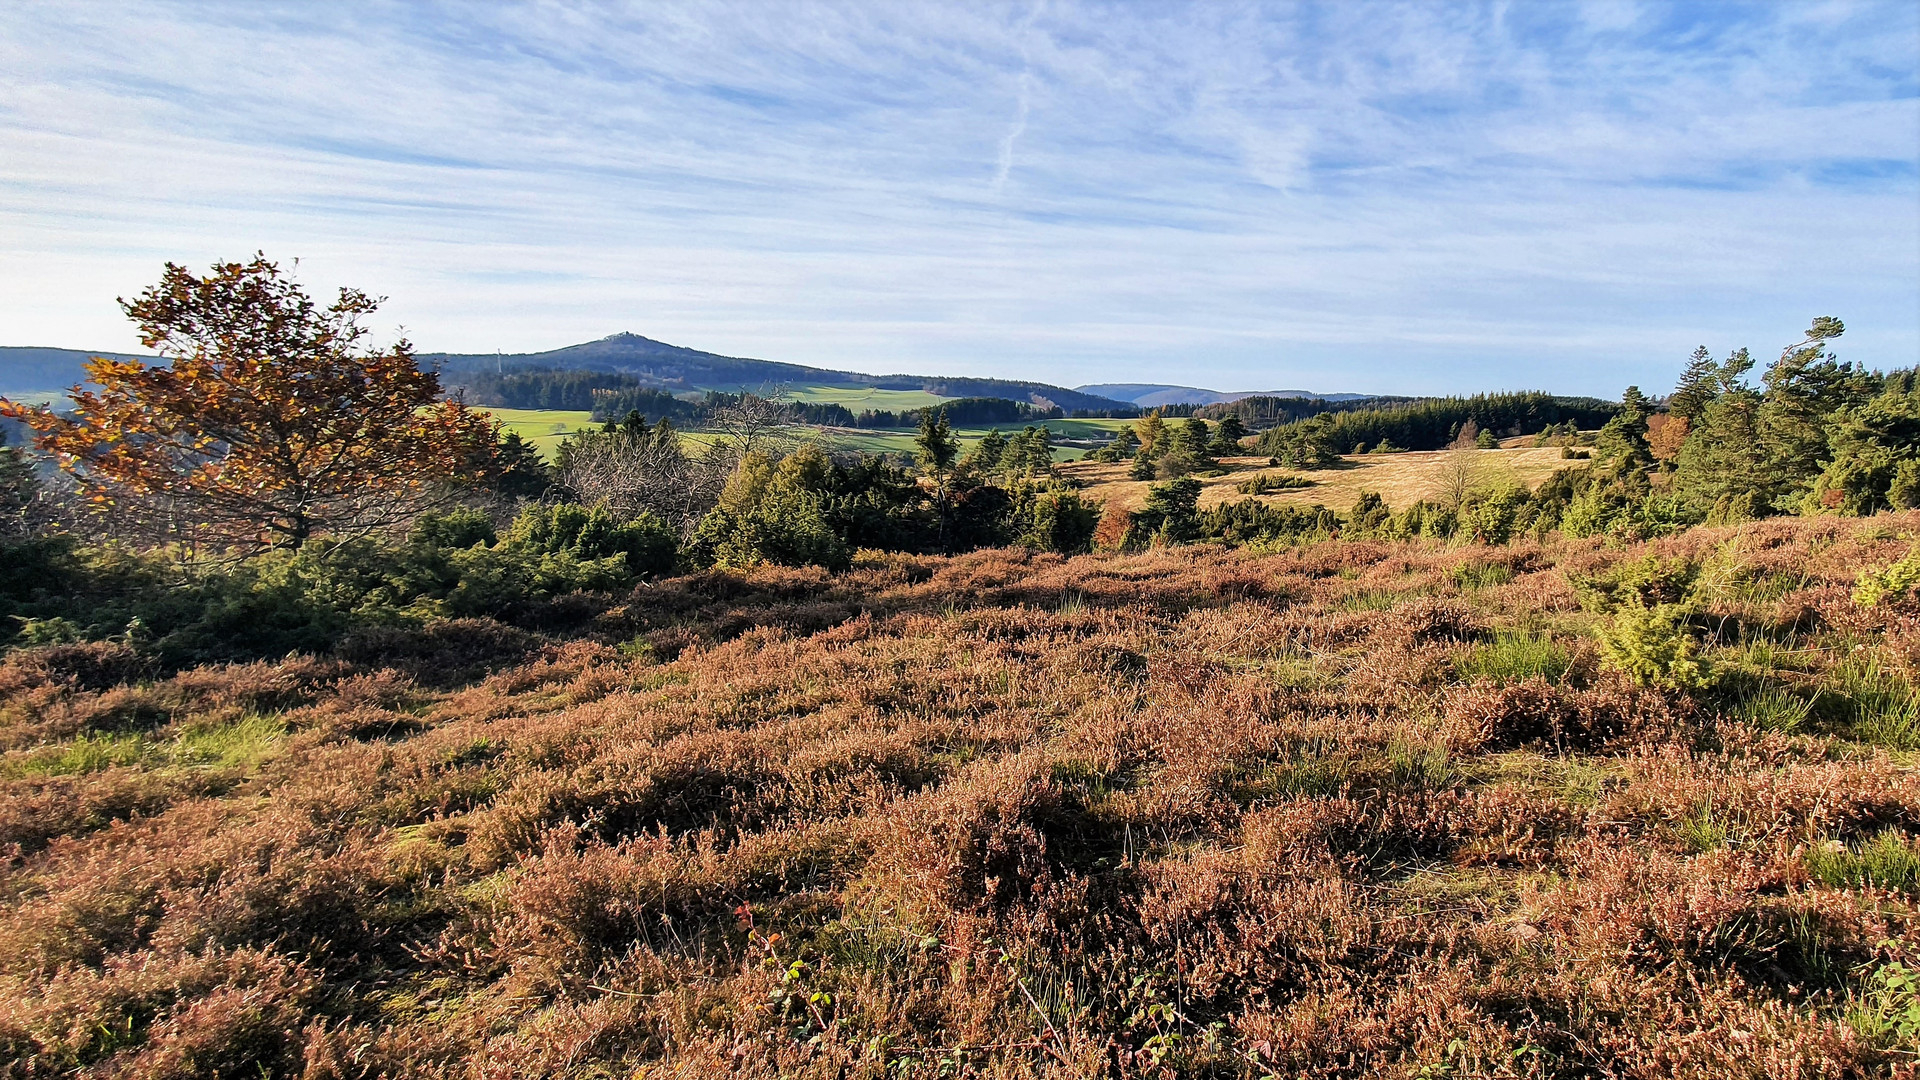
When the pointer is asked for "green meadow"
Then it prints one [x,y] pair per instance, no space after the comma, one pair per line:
[545,428]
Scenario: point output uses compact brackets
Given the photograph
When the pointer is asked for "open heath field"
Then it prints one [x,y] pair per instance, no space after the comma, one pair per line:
[1352,809]
[1402,479]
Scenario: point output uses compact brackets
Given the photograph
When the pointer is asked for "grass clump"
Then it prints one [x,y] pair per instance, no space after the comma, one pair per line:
[246,741]
[1702,831]
[1872,704]
[1773,708]
[86,754]
[1479,575]
[1887,861]
[1513,656]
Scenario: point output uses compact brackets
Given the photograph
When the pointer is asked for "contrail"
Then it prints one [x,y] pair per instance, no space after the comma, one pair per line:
[1005,164]
[1019,125]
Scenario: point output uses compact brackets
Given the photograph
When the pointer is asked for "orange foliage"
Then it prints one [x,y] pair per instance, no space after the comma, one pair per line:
[1665,434]
[269,424]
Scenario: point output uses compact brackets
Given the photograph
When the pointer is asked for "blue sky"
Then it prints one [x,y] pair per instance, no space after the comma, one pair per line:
[1417,197]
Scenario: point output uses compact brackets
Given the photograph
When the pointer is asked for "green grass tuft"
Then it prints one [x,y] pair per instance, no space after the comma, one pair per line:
[1513,656]
[1872,704]
[1701,832]
[87,754]
[1472,576]
[1774,708]
[1887,861]
[246,741]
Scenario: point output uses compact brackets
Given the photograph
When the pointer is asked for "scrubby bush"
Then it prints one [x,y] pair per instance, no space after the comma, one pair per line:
[1890,582]
[1653,646]
[644,542]
[1169,516]
[1058,521]
[1261,483]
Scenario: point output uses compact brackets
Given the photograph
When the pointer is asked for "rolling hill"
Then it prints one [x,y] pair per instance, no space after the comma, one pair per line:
[1151,395]
[29,370]
[675,367]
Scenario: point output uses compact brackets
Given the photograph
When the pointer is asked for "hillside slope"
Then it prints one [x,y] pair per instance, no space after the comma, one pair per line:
[675,367]
[33,370]
[1355,809]
[1151,395]
[27,369]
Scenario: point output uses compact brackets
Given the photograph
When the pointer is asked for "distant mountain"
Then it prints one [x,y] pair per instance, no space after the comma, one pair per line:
[29,369]
[1151,395]
[674,367]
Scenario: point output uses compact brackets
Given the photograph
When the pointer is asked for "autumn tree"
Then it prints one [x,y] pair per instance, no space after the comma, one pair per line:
[270,423]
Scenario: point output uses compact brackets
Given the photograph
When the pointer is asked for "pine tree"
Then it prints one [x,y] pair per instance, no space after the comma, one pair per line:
[985,457]
[938,452]
[1226,437]
[1696,386]
[1804,392]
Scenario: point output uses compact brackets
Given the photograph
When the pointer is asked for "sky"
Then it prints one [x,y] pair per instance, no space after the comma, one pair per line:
[1402,198]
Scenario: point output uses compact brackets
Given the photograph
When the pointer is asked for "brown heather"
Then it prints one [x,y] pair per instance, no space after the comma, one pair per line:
[1188,812]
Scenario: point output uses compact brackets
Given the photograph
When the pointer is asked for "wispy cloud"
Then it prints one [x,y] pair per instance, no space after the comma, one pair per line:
[1343,196]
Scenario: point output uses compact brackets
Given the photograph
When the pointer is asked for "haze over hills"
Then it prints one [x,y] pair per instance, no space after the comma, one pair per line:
[1151,395]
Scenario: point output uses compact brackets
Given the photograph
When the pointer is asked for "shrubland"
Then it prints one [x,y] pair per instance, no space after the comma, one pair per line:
[1347,809]
[757,760]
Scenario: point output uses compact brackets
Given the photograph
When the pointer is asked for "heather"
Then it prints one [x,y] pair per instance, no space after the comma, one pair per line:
[1340,808]
[343,736]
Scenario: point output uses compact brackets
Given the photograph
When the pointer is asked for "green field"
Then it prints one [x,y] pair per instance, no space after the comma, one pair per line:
[861,398]
[545,428]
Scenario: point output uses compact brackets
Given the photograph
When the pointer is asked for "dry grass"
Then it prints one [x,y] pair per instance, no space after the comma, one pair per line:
[1358,809]
[1402,479]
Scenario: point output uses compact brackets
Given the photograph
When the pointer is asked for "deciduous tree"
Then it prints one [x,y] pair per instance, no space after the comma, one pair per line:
[270,423]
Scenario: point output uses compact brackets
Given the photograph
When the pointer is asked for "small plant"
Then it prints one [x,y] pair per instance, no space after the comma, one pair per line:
[1891,582]
[1887,1014]
[638,648]
[1701,832]
[1653,646]
[1886,862]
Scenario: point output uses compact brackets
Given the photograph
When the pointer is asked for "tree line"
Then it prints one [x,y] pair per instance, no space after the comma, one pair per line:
[609,395]
[1429,424]
[278,481]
